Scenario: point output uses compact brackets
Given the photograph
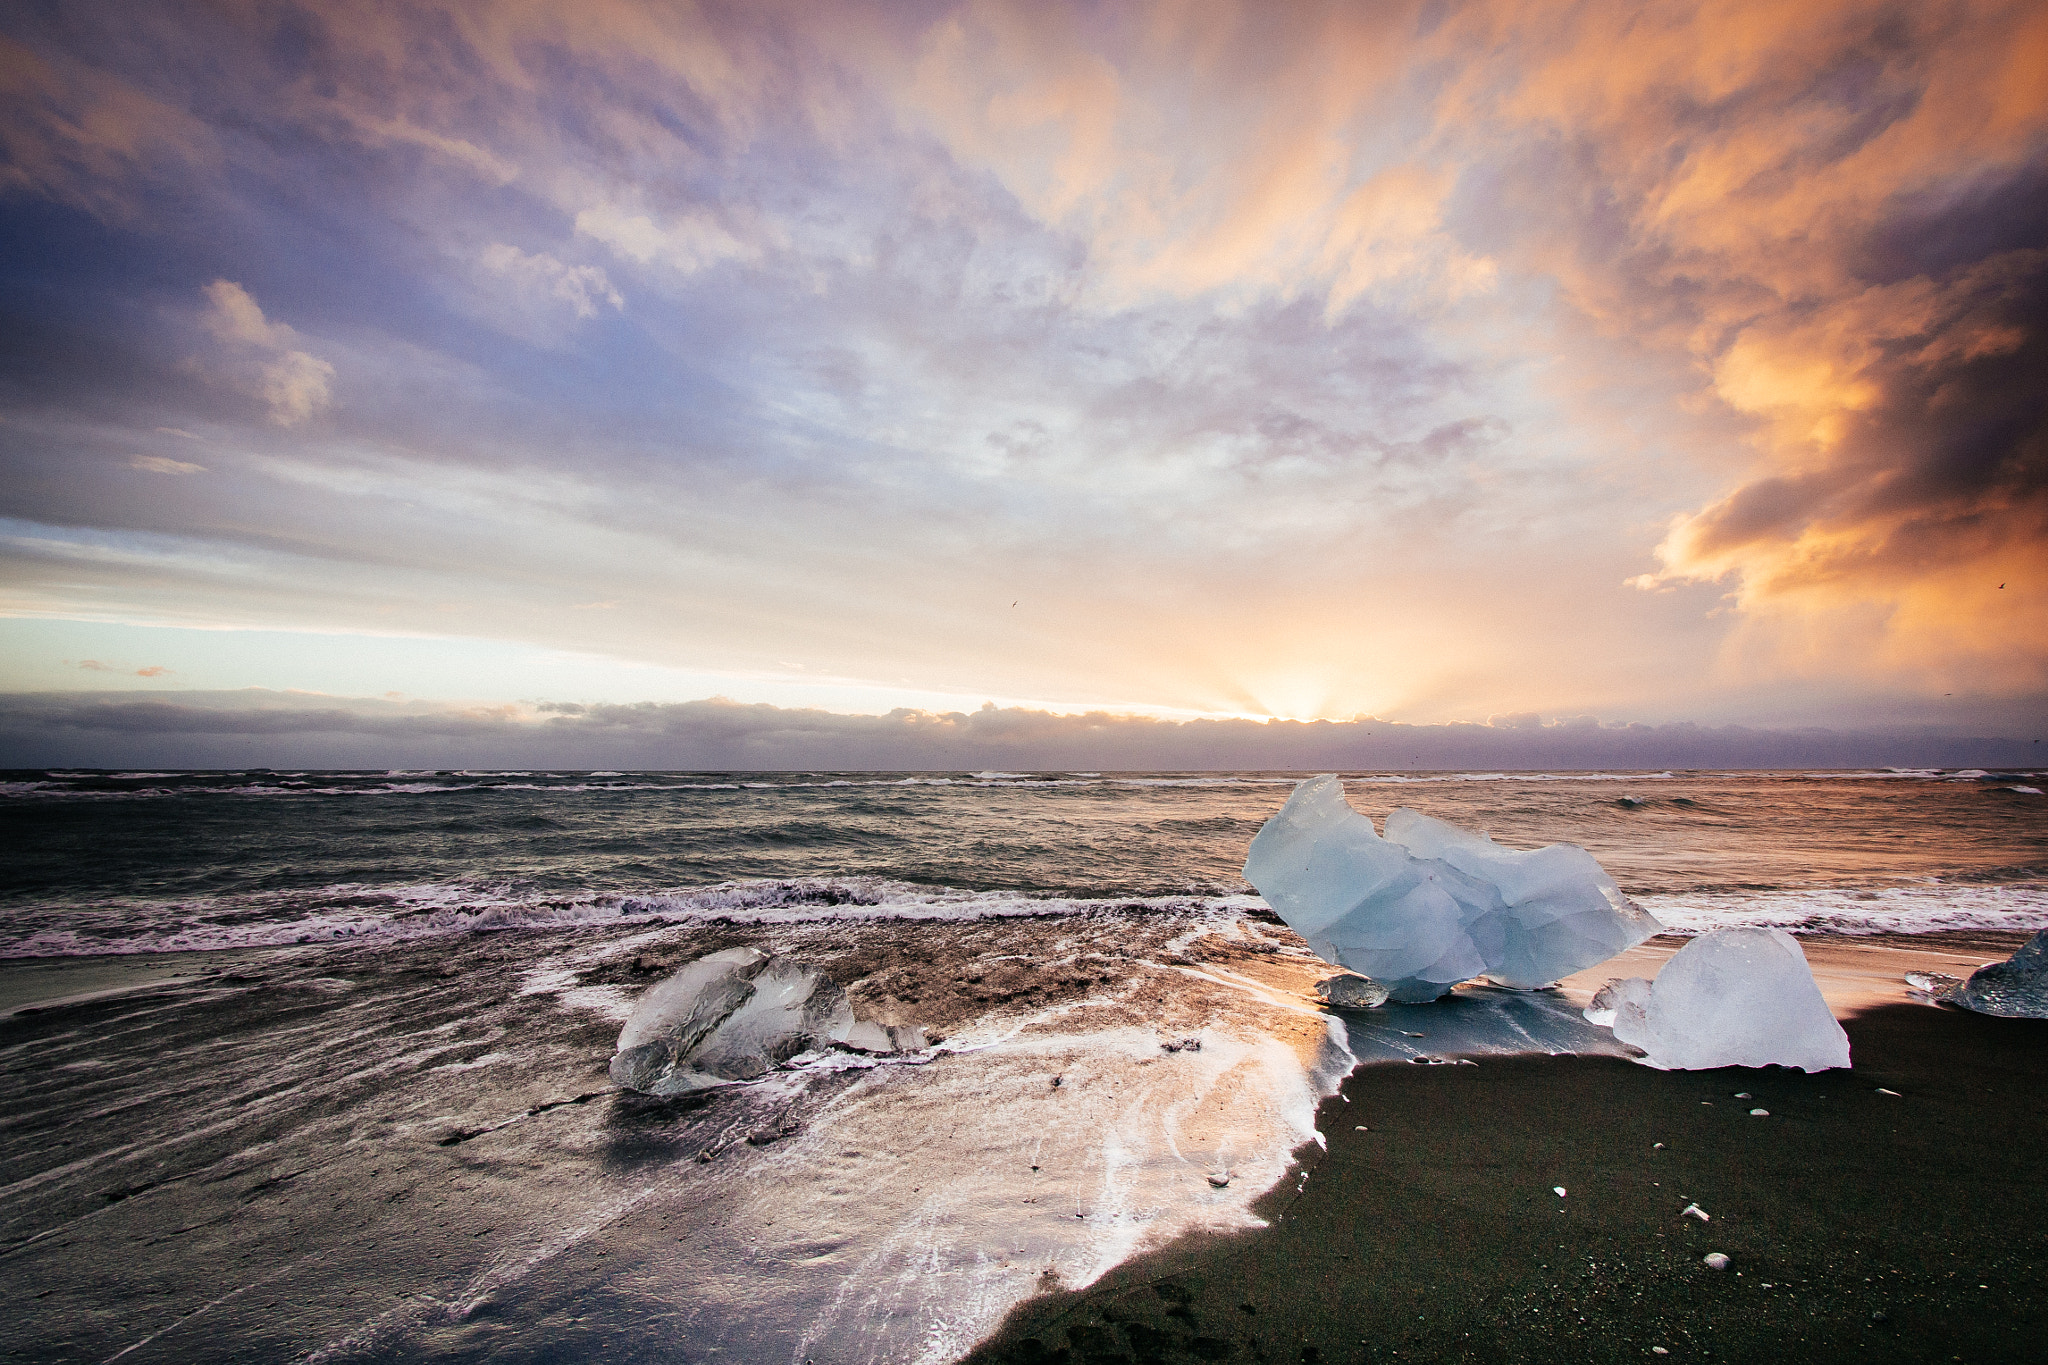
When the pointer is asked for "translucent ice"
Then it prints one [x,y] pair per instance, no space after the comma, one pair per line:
[1348,991]
[731,1016]
[1430,904]
[1734,997]
[2016,988]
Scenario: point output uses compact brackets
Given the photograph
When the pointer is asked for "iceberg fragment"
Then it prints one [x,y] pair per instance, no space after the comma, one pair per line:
[1348,991]
[1430,904]
[731,1016]
[2016,988]
[1733,997]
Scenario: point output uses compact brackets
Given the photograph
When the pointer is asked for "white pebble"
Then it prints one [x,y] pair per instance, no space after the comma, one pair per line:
[1759,1113]
[1559,1189]
[1715,1260]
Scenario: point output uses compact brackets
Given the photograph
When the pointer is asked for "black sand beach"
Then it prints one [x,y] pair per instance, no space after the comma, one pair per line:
[1861,1225]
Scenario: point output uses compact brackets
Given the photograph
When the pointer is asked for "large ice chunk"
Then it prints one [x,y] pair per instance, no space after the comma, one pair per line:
[2016,988]
[1431,905]
[1734,997]
[731,1016]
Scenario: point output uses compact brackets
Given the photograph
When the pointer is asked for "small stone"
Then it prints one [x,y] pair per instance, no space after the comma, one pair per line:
[1219,1179]
[1659,1350]
[1742,1094]
[1759,1113]
[1880,1316]
[1558,1190]
[1715,1260]
[1693,1211]
[1656,1144]
[1893,1093]
[1056,1081]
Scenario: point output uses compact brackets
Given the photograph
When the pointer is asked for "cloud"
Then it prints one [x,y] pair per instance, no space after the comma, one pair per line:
[582,287]
[685,242]
[295,384]
[716,734]
[163,464]
[1307,358]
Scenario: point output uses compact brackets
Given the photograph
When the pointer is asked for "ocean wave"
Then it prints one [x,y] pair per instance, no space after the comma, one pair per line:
[350,913]
[358,913]
[1884,910]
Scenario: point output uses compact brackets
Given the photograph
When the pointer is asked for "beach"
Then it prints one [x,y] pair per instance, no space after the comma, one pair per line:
[1860,1224]
[316,1066]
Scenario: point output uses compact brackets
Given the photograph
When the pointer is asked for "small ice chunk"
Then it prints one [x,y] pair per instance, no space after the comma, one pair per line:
[1733,997]
[1601,1010]
[868,1036]
[1715,1260]
[1430,904]
[731,1016]
[1350,991]
[2016,988]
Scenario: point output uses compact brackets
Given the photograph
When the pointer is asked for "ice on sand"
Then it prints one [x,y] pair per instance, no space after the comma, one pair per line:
[1734,997]
[731,1016]
[1430,904]
[2016,988]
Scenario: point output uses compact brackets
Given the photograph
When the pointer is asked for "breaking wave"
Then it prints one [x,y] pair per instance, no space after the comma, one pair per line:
[355,913]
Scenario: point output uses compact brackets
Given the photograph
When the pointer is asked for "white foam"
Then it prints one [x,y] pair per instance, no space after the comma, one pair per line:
[1835,910]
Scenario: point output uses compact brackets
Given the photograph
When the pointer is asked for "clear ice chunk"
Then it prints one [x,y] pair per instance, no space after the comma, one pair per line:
[731,1016]
[1352,992]
[2016,988]
[1430,904]
[869,1036]
[1733,997]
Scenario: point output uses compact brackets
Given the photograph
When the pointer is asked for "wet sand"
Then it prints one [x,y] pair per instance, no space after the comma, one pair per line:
[1861,1225]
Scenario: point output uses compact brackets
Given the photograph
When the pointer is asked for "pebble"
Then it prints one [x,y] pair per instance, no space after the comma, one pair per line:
[1759,1113]
[1559,1190]
[1715,1260]
[1695,1210]
[1220,1180]
[1893,1093]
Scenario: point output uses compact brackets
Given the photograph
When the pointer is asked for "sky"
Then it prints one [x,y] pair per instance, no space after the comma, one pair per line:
[1498,365]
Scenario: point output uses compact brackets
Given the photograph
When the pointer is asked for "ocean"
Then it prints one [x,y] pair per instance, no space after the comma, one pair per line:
[313,1063]
[160,862]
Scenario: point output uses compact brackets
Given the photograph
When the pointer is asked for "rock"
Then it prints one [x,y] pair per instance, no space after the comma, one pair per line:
[729,1017]
[1715,1260]
[1349,991]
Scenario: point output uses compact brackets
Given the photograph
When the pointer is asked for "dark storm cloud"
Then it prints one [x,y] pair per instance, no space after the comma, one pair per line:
[208,730]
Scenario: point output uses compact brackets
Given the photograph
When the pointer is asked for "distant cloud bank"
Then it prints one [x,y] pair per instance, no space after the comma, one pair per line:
[273,729]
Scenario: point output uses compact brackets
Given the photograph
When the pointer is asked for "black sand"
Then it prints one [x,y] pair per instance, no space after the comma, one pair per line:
[1861,1226]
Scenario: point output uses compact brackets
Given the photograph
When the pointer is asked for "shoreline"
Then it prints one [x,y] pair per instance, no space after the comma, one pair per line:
[1861,1225]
